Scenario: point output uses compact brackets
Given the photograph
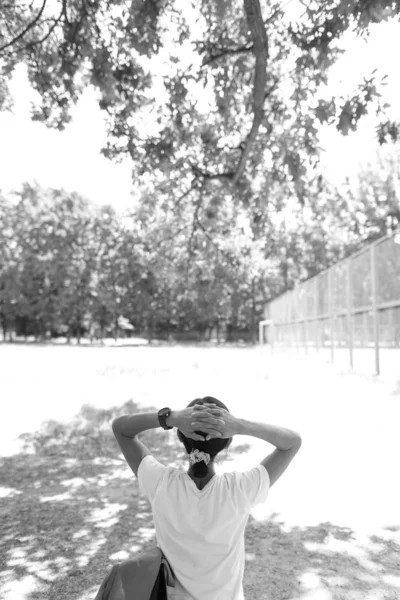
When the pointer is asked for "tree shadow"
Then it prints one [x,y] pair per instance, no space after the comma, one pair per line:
[323,562]
[71,507]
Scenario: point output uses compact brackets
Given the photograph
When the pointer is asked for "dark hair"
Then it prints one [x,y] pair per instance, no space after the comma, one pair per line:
[212,447]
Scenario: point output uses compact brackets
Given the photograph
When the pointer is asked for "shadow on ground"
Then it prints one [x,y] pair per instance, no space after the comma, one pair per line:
[71,508]
[323,562]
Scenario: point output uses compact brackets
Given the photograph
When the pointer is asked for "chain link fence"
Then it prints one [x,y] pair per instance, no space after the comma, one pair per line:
[351,309]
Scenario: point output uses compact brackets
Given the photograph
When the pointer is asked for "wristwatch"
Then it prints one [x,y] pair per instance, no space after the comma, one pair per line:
[163,415]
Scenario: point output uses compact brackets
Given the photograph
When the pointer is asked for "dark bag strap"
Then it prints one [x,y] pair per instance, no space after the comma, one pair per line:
[159,591]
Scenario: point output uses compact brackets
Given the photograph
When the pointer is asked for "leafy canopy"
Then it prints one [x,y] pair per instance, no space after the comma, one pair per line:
[205,93]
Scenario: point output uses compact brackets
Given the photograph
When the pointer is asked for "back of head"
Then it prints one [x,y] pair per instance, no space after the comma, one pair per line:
[211,447]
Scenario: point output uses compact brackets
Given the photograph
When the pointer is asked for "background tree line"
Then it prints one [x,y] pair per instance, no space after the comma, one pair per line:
[218,105]
[70,268]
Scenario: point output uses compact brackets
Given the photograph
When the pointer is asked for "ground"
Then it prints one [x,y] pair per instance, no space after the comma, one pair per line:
[70,507]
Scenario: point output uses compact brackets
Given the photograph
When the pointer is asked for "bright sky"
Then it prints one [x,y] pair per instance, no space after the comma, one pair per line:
[71,159]
[342,154]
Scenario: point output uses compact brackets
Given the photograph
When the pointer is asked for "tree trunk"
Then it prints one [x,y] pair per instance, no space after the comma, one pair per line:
[44,331]
[78,333]
[116,328]
[91,333]
[149,327]
[260,51]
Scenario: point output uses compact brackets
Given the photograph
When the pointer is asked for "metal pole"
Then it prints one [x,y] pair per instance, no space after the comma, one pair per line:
[315,290]
[350,312]
[303,308]
[272,336]
[305,325]
[375,312]
[391,328]
[330,309]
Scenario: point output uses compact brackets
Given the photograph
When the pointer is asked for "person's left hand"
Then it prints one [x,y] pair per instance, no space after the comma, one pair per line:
[198,418]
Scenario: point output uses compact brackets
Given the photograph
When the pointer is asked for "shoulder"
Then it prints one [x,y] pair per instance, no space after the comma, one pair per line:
[254,476]
[150,464]
[150,473]
[253,484]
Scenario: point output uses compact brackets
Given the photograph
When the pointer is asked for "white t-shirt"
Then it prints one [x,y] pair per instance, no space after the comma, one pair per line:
[201,532]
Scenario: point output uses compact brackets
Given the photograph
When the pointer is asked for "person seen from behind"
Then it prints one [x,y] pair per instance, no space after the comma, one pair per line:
[199,515]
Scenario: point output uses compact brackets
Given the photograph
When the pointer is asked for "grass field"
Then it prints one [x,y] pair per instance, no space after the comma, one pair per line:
[330,529]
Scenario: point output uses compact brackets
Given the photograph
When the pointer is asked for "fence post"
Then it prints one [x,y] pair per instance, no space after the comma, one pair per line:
[375,313]
[330,312]
[350,311]
[304,316]
[316,326]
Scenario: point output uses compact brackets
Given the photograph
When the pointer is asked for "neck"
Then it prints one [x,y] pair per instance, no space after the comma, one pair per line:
[211,471]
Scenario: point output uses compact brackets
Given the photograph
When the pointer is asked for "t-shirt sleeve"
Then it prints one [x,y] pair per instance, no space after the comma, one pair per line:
[150,473]
[255,484]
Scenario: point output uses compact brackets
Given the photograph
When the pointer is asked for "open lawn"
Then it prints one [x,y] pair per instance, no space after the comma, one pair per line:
[70,507]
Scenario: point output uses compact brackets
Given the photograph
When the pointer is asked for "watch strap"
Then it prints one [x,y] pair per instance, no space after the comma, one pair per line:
[162,418]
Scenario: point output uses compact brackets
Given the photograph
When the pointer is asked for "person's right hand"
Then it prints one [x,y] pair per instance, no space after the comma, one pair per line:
[229,426]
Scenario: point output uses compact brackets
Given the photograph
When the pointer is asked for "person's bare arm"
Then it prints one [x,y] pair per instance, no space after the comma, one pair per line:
[287,444]
[286,441]
[128,427]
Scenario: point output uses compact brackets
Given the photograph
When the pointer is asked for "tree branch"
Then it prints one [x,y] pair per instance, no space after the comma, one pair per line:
[260,50]
[272,88]
[259,47]
[208,236]
[241,49]
[27,28]
[186,193]
[226,52]
[233,261]
[64,11]
[279,9]
[200,173]
[47,35]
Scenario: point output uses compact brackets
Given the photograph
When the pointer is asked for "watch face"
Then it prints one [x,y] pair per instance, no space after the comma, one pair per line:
[164,411]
